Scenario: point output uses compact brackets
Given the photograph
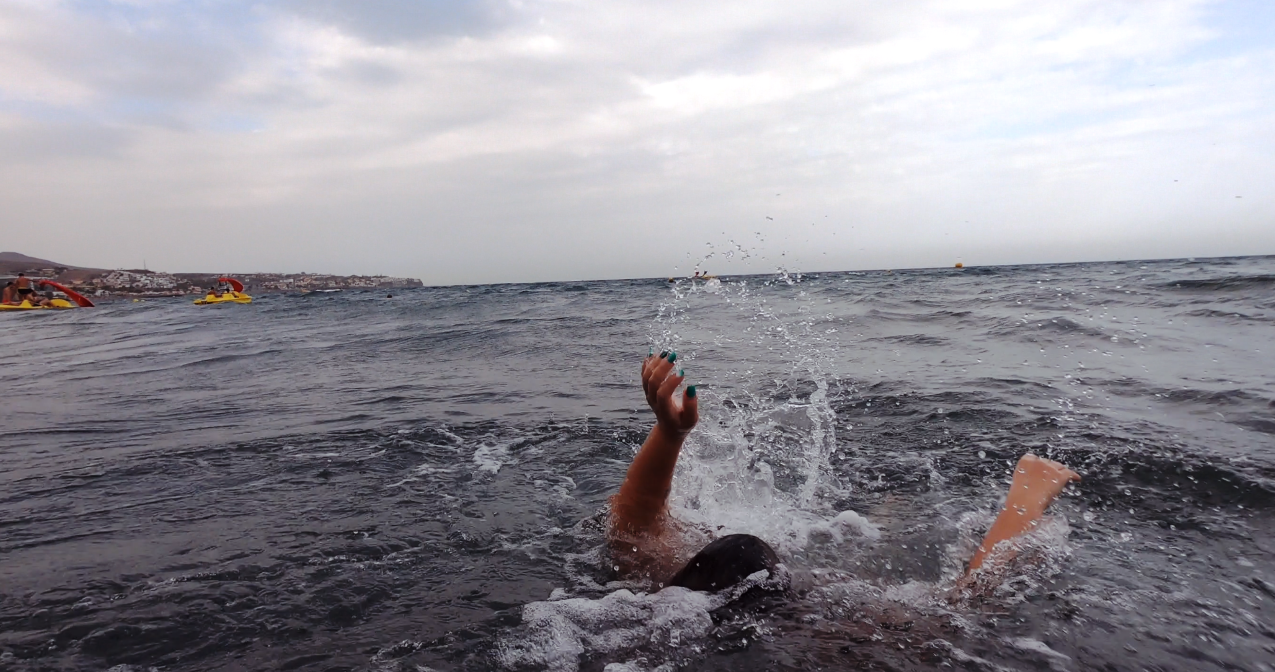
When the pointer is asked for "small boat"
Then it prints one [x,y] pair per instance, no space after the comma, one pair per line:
[235,295]
[228,297]
[54,304]
[73,299]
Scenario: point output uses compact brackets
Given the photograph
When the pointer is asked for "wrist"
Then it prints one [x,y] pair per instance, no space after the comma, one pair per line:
[670,433]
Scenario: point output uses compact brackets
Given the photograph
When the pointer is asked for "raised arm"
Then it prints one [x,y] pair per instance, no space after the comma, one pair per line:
[1036,484]
[643,497]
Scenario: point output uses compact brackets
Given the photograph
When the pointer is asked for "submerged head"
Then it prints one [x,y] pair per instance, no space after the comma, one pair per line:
[726,562]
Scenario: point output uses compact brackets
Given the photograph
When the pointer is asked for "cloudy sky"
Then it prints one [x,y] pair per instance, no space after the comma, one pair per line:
[520,140]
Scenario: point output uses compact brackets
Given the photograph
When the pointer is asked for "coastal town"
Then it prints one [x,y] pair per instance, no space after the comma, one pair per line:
[148,283]
[152,283]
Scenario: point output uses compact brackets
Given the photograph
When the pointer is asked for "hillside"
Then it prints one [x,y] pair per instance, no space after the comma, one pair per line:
[152,283]
[12,263]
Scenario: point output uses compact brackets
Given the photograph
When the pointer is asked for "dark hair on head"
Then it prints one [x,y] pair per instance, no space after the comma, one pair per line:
[726,562]
[22,275]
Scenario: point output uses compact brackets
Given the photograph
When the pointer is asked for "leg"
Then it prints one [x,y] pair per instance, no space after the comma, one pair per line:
[1036,484]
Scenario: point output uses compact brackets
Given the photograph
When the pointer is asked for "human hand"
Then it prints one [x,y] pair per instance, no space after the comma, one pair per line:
[676,417]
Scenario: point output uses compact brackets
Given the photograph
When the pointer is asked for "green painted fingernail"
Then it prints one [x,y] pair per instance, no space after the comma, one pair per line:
[690,391]
[651,351]
[663,354]
[681,373]
[672,357]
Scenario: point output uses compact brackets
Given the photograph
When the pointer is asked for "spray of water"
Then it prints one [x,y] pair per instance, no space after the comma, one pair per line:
[760,461]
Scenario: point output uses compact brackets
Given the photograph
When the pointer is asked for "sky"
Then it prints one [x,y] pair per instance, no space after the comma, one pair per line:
[528,140]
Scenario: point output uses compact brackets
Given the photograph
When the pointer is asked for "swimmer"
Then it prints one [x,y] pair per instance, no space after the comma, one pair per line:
[10,296]
[645,539]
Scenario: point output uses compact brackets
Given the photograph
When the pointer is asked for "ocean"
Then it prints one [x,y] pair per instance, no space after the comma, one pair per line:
[349,482]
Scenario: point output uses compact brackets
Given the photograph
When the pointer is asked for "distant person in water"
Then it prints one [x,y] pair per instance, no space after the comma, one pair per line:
[646,541]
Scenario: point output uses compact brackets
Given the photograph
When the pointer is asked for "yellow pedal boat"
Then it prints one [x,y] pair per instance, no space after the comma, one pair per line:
[55,304]
[235,295]
[228,297]
[73,299]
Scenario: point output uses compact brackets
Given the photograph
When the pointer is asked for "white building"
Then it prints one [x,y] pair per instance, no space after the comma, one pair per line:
[131,280]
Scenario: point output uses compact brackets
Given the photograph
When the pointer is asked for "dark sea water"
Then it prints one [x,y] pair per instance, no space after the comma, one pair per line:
[349,482]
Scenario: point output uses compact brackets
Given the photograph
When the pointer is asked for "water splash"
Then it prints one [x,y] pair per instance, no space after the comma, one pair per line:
[760,461]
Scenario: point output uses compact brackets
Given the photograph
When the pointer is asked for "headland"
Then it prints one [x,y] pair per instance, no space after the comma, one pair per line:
[145,282]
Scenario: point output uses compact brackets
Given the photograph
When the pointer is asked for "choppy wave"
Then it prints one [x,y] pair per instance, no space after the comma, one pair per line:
[350,482]
[1228,283]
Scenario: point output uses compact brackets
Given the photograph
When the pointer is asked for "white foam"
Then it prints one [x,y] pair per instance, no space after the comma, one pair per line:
[847,521]
[663,625]
[560,631]
[490,458]
[962,656]
[1037,646]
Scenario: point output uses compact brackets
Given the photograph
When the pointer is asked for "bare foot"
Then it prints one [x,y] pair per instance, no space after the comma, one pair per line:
[1036,485]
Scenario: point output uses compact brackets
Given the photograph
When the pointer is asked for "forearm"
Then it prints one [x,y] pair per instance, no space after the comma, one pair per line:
[644,494]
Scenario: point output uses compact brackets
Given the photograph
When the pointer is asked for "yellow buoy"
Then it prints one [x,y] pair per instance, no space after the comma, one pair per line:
[960,265]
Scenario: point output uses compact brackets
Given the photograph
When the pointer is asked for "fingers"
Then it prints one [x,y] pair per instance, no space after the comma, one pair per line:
[648,386]
[690,408]
[664,397]
[646,365]
[654,371]
[660,380]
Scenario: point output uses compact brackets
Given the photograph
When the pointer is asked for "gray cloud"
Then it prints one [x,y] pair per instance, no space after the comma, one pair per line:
[391,21]
[551,140]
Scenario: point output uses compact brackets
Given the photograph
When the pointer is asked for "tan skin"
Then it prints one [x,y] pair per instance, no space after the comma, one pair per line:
[1037,483]
[640,506]
[34,299]
[639,511]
